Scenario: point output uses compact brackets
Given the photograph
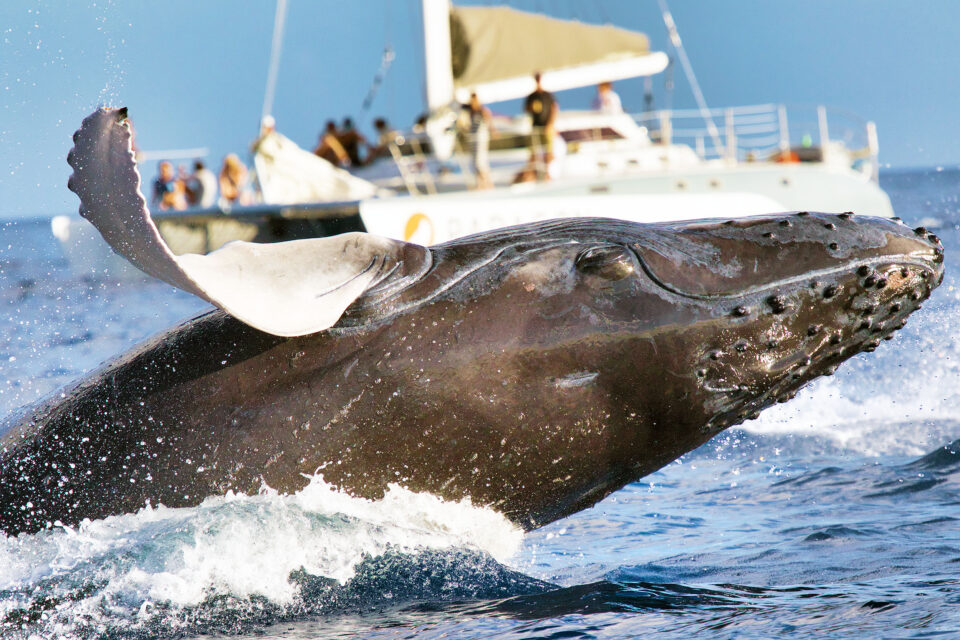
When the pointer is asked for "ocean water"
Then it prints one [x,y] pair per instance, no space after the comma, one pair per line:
[836,515]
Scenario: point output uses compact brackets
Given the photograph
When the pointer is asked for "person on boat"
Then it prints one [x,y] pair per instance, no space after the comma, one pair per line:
[607,100]
[329,147]
[351,140]
[542,109]
[201,186]
[235,181]
[168,191]
[420,124]
[385,137]
[480,124]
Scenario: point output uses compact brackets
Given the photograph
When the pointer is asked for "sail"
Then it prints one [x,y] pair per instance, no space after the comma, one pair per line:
[291,175]
[496,50]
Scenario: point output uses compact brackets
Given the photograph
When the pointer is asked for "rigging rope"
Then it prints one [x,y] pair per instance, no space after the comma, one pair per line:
[688,69]
[385,61]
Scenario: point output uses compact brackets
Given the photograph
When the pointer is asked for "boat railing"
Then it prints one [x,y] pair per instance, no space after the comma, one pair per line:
[421,173]
[769,132]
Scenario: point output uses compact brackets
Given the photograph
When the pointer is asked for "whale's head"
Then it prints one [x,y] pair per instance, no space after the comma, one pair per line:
[677,331]
[781,300]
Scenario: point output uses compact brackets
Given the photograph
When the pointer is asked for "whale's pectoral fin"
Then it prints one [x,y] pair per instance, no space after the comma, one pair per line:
[106,179]
[288,288]
[293,288]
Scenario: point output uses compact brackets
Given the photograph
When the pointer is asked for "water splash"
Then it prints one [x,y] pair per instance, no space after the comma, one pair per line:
[259,551]
[902,399]
[111,26]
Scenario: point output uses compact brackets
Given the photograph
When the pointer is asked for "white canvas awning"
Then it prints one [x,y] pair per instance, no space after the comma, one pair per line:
[496,50]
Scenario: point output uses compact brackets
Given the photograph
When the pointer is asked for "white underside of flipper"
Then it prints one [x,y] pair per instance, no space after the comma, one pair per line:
[287,289]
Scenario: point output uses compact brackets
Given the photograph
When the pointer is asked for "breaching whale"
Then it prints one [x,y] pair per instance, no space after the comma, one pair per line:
[533,370]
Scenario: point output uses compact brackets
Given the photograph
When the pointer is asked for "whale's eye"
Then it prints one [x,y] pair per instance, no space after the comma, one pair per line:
[611,261]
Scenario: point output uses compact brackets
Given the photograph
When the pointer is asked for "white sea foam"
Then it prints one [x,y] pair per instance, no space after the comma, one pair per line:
[882,425]
[242,545]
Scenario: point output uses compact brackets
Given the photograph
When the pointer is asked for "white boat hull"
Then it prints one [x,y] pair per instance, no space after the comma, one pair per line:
[709,192]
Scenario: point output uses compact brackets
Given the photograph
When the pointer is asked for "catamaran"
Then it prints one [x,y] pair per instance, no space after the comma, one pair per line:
[648,167]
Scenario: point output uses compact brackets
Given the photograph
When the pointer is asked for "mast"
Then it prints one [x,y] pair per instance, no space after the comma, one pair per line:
[275,48]
[438,67]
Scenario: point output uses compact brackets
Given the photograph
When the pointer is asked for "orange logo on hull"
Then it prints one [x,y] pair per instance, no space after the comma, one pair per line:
[419,229]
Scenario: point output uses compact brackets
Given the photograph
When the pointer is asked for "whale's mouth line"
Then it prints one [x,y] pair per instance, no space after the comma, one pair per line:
[902,260]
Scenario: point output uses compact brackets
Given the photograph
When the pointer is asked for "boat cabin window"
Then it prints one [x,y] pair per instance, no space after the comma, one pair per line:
[593,133]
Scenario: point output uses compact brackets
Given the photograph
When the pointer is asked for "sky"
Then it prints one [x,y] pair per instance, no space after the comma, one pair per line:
[193,74]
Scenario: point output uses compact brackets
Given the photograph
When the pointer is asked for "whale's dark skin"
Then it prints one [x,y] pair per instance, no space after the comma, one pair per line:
[534,370]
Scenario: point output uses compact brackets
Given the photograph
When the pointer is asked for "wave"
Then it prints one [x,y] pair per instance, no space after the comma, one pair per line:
[236,560]
[242,564]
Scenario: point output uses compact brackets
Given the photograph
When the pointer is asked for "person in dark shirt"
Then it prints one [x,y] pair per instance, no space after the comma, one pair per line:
[542,108]
[351,139]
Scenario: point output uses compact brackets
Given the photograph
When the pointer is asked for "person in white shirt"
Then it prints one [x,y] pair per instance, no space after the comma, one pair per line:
[607,100]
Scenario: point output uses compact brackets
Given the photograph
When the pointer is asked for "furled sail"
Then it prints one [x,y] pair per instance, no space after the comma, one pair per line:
[496,50]
[291,175]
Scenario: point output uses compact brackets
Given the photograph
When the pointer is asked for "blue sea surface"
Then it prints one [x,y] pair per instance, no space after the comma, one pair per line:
[836,515]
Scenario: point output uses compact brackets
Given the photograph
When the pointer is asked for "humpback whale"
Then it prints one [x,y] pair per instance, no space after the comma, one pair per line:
[533,370]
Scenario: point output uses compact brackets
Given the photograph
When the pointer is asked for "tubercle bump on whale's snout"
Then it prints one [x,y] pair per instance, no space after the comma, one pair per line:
[937,247]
